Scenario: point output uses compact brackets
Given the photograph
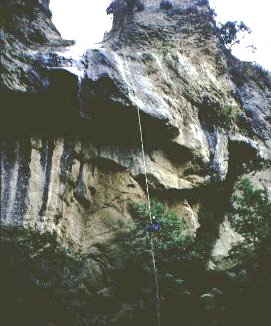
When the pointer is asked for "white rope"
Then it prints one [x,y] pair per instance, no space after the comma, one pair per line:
[155,270]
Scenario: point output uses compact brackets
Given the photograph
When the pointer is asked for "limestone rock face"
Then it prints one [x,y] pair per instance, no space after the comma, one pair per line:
[26,29]
[63,186]
[165,63]
[71,157]
[227,239]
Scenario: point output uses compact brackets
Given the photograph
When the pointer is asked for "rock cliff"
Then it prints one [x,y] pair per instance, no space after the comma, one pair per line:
[71,158]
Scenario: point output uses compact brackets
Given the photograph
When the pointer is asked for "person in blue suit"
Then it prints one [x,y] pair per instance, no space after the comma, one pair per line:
[154,226]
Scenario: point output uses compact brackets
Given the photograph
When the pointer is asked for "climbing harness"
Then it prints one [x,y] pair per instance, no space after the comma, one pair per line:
[155,270]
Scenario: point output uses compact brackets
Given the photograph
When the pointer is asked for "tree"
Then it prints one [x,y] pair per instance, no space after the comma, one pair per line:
[251,216]
[229,32]
[174,233]
[172,248]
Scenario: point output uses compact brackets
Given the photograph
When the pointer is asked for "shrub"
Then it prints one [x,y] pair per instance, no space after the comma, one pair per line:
[228,33]
[166,5]
[251,216]
[178,260]
[174,231]
[228,115]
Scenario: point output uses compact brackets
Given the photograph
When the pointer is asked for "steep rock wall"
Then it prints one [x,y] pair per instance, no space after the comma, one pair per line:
[179,86]
[71,158]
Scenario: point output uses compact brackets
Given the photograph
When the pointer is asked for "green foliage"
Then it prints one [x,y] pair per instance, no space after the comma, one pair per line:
[251,216]
[228,115]
[228,33]
[174,231]
[36,268]
[175,256]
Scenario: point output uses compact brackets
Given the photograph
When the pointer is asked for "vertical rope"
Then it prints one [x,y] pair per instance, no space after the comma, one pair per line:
[155,270]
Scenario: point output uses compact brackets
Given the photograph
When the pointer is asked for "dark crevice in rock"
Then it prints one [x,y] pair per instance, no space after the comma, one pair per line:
[67,157]
[107,165]
[46,162]
[106,106]
[80,191]
[216,199]
[24,172]
[178,154]
[15,173]
[53,112]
